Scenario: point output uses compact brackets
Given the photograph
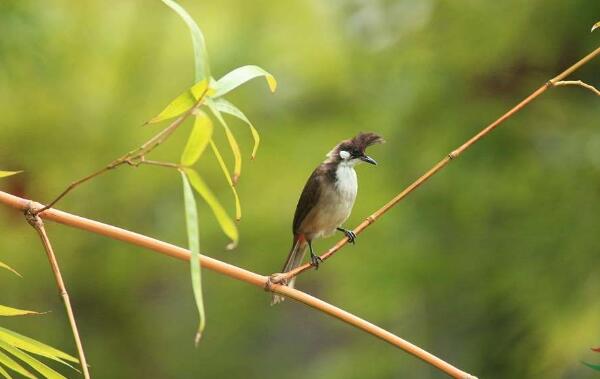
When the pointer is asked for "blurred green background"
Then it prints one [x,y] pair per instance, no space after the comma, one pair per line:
[494,265]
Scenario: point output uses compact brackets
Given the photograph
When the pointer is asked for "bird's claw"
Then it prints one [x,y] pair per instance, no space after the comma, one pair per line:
[351,236]
[315,261]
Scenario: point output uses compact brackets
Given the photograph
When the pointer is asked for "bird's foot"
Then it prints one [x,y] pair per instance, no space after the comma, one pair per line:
[315,261]
[349,234]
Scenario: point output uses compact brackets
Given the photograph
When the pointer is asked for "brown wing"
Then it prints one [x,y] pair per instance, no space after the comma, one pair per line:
[308,199]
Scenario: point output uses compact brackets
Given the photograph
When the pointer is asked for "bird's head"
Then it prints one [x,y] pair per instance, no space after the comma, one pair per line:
[352,151]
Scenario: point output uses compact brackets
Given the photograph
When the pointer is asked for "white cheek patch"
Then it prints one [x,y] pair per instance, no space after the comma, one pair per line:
[344,154]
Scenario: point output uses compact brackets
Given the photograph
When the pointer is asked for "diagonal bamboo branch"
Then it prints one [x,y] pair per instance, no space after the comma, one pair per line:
[556,81]
[37,223]
[234,272]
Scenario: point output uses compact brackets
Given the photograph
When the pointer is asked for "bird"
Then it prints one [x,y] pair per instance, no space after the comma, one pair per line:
[327,200]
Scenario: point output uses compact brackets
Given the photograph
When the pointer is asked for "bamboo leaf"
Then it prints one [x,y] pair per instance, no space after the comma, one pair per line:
[198,140]
[596,26]
[182,103]
[4,373]
[31,361]
[191,220]
[593,367]
[238,207]
[226,223]
[200,54]
[235,148]
[14,365]
[7,267]
[33,346]
[226,107]
[8,311]
[240,76]
[4,174]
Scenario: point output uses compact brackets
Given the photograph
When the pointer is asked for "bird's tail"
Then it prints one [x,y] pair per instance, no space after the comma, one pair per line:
[294,260]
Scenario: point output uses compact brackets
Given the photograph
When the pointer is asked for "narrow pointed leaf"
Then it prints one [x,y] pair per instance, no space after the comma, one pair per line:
[198,140]
[31,361]
[14,365]
[4,373]
[240,76]
[4,174]
[33,346]
[235,148]
[200,53]
[183,102]
[191,221]
[7,267]
[8,311]
[238,207]
[596,26]
[226,223]
[593,367]
[226,107]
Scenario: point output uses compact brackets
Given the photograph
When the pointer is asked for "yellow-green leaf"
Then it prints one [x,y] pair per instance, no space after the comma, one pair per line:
[191,221]
[226,223]
[14,365]
[240,76]
[4,373]
[29,344]
[183,102]
[226,107]
[31,361]
[200,53]
[596,26]
[4,174]
[8,311]
[198,140]
[7,267]
[235,148]
[238,207]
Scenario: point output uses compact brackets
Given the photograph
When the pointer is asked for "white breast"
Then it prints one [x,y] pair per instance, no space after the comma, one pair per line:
[346,183]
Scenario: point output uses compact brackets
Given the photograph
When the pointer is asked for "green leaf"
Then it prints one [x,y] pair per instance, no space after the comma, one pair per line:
[226,107]
[200,53]
[596,26]
[31,361]
[8,311]
[226,223]
[4,174]
[198,140]
[235,148]
[191,220]
[33,346]
[183,102]
[4,373]
[13,365]
[238,207]
[240,76]
[593,367]
[7,267]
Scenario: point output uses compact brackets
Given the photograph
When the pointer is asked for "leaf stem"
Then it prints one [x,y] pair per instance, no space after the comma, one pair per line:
[36,222]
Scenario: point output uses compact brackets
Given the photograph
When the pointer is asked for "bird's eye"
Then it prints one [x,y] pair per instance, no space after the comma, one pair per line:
[355,153]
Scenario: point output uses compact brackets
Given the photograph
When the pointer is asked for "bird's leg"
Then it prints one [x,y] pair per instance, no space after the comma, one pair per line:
[315,260]
[350,234]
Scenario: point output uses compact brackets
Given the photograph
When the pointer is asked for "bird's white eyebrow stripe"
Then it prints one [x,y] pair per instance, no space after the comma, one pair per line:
[344,154]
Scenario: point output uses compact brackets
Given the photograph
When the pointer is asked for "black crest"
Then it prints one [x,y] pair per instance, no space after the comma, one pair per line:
[364,140]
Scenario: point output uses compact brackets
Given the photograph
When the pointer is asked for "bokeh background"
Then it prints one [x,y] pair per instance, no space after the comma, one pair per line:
[494,265]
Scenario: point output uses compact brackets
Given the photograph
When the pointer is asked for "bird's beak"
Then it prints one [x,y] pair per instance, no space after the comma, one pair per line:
[368,159]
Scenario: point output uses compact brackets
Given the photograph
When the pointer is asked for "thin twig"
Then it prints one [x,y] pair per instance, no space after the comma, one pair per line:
[237,273]
[578,83]
[285,277]
[36,222]
[133,157]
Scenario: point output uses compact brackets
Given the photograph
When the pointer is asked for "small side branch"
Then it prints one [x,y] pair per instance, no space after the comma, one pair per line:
[578,83]
[36,222]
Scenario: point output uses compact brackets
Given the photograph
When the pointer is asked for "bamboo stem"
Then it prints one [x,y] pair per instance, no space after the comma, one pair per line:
[37,223]
[237,273]
[285,277]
